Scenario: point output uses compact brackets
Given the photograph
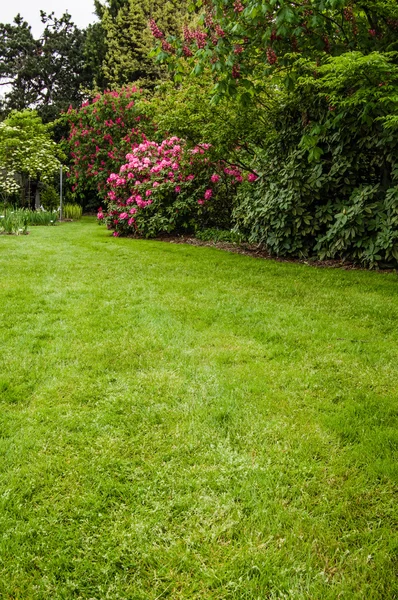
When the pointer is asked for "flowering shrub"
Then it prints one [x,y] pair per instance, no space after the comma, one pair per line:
[101,133]
[164,188]
[26,151]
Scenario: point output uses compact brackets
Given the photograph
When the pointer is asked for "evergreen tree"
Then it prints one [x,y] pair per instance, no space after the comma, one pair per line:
[94,55]
[129,40]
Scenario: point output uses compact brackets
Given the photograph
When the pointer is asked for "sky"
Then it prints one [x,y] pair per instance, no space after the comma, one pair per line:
[82,11]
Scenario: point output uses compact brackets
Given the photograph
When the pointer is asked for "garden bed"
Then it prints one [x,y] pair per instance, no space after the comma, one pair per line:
[259,252]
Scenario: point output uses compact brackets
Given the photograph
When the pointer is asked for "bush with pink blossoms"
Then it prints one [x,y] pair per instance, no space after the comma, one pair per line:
[165,188]
[102,131]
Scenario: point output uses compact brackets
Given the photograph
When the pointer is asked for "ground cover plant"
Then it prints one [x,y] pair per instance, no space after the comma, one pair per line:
[41,217]
[180,422]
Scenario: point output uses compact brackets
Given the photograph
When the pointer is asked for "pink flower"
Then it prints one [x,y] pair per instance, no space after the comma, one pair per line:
[155,184]
[100,215]
[131,221]
[208,194]
[148,192]
[133,210]
[177,189]
[190,177]
[201,201]
[252,177]
[123,216]
[116,234]
[215,178]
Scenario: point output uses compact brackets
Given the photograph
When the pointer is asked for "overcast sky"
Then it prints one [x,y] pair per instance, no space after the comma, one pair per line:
[80,10]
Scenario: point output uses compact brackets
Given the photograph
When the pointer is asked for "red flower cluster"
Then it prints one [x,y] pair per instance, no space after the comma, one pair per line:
[238,6]
[271,56]
[156,32]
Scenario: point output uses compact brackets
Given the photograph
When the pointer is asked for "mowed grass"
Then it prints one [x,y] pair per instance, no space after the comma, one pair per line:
[183,423]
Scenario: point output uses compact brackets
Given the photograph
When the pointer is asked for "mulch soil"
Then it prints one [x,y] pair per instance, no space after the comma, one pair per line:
[259,252]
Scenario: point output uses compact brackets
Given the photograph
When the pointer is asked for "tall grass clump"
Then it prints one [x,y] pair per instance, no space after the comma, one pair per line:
[72,211]
[14,222]
[42,217]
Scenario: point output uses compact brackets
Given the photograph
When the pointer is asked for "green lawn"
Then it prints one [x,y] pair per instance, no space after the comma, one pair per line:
[179,422]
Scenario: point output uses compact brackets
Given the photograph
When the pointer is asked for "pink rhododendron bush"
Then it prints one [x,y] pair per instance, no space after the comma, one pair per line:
[102,131]
[167,187]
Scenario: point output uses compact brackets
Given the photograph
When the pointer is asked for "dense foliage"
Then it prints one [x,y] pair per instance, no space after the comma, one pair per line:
[329,174]
[169,187]
[298,98]
[46,73]
[323,76]
[102,131]
[232,129]
[26,151]
[128,39]
[244,41]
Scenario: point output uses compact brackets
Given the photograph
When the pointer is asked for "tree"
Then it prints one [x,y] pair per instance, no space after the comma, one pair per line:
[27,152]
[47,73]
[129,39]
[94,55]
[243,41]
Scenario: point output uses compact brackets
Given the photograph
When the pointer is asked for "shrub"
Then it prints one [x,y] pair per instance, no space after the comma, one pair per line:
[101,133]
[329,173]
[26,151]
[166,188]
[50,198]
[219,235]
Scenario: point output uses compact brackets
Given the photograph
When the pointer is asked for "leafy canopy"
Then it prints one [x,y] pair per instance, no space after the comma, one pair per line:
[47,73]
[244,41]
[26,148]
